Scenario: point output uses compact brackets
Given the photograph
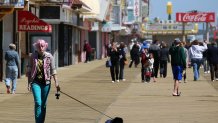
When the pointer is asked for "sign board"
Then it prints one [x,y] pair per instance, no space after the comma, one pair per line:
[29,22]
[106,27]
[14,3]
[195,17]
[136,8]
[165,27]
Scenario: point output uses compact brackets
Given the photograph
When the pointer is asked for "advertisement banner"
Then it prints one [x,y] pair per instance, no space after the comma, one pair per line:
[29,22]
[136,8]
[195,17]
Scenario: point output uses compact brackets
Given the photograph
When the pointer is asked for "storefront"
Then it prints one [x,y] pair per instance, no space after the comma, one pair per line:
[1,50]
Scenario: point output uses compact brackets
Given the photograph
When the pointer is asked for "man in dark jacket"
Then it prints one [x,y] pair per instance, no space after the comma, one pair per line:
[164,58]
[134,53]
[155,50]
[212,57]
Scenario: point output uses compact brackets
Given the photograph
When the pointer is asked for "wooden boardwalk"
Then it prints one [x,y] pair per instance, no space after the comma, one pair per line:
[132,100]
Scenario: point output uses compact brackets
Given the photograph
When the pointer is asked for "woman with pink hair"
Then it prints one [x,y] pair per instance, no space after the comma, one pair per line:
[40,71]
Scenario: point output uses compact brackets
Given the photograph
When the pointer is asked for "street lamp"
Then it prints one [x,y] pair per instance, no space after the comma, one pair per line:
[169,10]
[196,27]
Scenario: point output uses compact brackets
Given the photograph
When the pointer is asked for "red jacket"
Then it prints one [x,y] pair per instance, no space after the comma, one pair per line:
[87,48]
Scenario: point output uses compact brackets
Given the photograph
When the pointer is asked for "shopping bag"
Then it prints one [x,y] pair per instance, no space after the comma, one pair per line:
[108,63]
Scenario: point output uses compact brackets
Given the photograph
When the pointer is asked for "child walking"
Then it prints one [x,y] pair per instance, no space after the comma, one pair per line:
[147,62]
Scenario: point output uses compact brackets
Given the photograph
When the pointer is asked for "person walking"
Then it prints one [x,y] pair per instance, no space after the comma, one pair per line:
[88,49]
[164,58]
[114,57]
[122,61]
[147,61]
[12,63]
[183,44]
[196,57]
[155,50]
[145,70]
[178,62]
[40,71]
[212,56]
[134,54]
[206,64]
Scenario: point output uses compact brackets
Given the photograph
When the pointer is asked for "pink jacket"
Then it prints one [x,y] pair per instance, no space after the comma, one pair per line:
[48,64]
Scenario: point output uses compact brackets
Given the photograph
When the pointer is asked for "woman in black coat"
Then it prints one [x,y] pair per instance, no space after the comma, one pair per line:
[114,57]
[134,53]
[212,56]
[122,54]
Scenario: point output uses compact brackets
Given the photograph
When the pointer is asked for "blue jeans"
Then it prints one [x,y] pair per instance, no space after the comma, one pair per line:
[206,65]
[40,94]
[11,75]
[196,63]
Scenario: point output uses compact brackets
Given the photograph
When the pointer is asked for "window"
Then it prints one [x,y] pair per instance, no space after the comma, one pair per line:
[49,12]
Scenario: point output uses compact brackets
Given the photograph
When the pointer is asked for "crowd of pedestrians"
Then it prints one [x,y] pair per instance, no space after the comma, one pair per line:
[155,57]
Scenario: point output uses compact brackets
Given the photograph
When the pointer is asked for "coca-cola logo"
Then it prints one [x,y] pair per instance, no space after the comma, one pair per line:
[197,17]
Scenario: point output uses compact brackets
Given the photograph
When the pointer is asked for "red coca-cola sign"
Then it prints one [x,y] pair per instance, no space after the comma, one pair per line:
[29,22]
[195,17]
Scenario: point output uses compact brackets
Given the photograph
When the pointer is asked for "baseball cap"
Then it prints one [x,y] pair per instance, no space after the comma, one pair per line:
[177,40]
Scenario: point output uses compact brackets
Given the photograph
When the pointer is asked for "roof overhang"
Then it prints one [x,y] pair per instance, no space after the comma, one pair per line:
[80,6]
[95,9]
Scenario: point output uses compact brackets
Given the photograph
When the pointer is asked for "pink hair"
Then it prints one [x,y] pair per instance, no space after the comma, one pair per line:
[40,42]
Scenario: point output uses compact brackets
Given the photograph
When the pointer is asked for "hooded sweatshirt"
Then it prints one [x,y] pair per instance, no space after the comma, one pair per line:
[196,51]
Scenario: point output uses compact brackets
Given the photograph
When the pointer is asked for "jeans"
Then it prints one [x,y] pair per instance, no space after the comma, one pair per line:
[156,67]
[40,94]
[213,71]
[11,75]
[196,63]
[163,68]
[114,70]
[121,71]
[206,65]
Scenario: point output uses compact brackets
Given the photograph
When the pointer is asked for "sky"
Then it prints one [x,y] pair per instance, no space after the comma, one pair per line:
[158,7]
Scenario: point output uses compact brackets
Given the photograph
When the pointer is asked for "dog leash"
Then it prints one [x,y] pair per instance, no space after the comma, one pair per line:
[57,97]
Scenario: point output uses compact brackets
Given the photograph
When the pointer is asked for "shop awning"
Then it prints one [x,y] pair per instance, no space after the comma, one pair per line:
[95,8]
[104,7]
[80,6]
[28,22]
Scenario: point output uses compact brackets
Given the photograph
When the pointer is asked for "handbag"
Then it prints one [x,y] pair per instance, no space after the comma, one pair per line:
[108,63]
